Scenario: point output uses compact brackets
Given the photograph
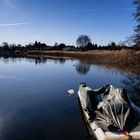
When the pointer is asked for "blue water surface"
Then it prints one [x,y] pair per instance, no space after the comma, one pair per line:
[34,104]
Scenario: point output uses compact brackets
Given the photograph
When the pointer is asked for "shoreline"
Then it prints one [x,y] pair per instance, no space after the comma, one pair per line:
[125,60]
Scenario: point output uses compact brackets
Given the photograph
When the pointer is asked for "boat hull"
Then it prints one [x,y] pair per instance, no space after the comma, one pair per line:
[93,132]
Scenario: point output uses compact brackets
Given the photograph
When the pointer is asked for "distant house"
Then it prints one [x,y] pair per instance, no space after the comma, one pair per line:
[18,52]
[67,49]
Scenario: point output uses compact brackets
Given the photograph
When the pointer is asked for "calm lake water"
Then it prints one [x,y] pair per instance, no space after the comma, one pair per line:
[34,104]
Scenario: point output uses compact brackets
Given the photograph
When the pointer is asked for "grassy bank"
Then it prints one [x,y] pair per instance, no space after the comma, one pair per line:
[127,60]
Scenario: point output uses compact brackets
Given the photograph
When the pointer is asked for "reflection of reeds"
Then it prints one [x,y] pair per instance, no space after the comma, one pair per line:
[124,59]
[132,83]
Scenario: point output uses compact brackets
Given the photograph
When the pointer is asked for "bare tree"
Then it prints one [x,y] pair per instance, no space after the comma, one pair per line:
[137,18]
[83,40]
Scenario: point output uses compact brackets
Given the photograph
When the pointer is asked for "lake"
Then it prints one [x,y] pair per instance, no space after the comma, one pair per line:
[34,104]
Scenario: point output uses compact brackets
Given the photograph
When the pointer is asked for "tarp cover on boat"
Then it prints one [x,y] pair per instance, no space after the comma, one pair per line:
[109,107]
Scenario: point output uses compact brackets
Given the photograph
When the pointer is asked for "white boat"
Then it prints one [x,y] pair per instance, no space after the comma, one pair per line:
[106,114]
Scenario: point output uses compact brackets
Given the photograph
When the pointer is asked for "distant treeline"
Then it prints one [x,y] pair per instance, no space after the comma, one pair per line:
[13,48]
[7,49]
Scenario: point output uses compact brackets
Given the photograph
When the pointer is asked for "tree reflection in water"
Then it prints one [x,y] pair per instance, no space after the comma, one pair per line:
[40,60]
[82,67]
[132,83]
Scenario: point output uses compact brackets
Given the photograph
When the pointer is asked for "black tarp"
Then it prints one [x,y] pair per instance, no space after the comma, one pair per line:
[109,108]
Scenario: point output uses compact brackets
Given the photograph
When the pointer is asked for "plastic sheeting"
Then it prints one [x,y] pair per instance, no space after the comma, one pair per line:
[108,107]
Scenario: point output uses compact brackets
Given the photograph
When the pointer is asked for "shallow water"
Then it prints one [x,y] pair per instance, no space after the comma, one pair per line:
[34,104]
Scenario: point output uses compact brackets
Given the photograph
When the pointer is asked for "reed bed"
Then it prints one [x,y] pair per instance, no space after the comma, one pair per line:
[123,59]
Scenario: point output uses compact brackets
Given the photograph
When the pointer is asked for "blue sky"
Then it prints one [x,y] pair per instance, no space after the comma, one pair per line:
[62,21]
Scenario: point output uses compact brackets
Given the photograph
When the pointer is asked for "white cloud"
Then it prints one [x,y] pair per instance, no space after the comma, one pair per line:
[13,24]
[8,77]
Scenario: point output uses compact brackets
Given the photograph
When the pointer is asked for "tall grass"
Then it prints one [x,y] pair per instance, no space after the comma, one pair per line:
[123,59]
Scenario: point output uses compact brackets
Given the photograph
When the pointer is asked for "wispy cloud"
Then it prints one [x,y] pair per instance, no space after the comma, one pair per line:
[14,24]
[10,3]
[8,77]
[101,10]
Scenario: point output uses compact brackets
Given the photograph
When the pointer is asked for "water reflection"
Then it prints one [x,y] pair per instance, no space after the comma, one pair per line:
[33,100]
[60,61]
[82,67]
[36,60]
[43,60]
[40,60]
[132,84]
